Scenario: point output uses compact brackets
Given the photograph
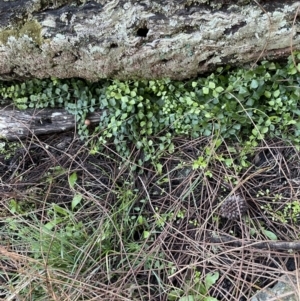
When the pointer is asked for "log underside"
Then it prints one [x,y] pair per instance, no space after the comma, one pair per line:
[178,39]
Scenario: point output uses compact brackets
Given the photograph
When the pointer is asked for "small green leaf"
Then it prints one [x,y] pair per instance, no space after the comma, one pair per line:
[76,200]
[50,225]
[124,99]
[146,234]
[211,85]
[219,89]
[60,210]
[268,122]
[187,298]
[254,84]
[171,148]
[159,168]
[250,102]
[211,279]
[14,206]
[272,103]
[72,179]
[229,88]
[112,102]
[276,93]
[269,234]
[268,94]
[205,90]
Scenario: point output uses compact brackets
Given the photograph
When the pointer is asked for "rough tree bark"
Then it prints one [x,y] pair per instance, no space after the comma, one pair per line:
[122,39]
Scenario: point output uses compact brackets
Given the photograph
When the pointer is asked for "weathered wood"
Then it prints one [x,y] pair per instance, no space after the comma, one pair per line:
[16,124]
[270,245]
[122,39]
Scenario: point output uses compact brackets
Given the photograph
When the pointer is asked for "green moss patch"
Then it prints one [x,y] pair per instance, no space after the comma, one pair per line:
[31,28]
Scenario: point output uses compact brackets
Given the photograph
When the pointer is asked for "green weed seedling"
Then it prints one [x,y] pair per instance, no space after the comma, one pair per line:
[197,290]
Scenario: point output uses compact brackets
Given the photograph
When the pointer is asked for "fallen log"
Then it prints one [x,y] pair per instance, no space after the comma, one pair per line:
[141,39]
[16,124]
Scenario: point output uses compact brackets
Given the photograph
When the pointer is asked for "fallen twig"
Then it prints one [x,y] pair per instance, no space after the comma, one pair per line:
[271,245]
